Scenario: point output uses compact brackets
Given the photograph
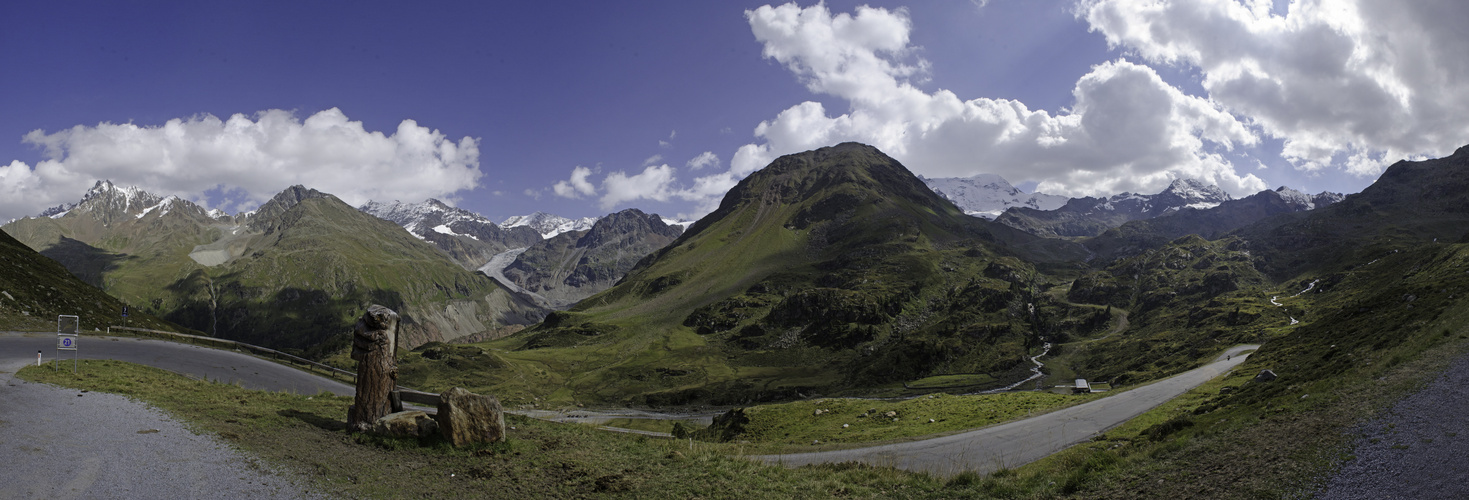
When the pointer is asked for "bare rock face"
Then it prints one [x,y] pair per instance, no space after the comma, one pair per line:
[415,424]
[465,417]
[374,340]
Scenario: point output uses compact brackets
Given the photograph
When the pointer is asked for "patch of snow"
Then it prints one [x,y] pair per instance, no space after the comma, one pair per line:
[549,225]
[983,194]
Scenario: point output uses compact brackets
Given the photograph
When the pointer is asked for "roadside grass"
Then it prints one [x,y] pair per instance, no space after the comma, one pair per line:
[798,427]
[306,435]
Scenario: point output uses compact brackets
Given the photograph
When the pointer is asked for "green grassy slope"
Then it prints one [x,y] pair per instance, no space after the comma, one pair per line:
[34,290]
[828,271]
[301,271]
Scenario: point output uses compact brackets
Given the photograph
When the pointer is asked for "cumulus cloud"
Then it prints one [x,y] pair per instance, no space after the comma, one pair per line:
[577,186]
[1128,130]
[254,158]
[705,159]
[1348,84]
[654,183]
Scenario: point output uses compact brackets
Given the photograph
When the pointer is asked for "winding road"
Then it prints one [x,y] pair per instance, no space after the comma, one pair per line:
[1020,442]
[983,450]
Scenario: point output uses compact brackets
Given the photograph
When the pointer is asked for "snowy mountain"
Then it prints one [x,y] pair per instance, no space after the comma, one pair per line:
[1090,216]
[468,237]
[1305,201]
[549,225]
[988,195]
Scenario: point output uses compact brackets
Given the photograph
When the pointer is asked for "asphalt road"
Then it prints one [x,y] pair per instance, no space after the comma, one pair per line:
[63,443]
[1023,441]
[202,362]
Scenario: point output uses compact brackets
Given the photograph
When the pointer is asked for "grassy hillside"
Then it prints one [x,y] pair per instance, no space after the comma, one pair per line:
[829,271]
[34,290]
[295,275]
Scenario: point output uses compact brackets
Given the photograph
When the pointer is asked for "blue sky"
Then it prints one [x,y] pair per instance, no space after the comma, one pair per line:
[1095,97]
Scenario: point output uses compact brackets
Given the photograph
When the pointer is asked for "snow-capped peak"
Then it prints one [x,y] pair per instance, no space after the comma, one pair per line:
[549,225]
[1194,191]
[988,195]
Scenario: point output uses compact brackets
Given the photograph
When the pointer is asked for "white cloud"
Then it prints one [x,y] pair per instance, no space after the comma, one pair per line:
[652,160]
[705,159]
[1128,130]
[654,183]
[255,158]
[576,187]
[1348,84]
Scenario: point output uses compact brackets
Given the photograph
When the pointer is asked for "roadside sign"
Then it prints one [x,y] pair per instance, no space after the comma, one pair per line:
[67,328]
[124,311]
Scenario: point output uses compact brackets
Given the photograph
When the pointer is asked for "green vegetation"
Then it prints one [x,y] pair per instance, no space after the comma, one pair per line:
[793,427]
[296,278]
[34,290]
[832,272]
[541,460]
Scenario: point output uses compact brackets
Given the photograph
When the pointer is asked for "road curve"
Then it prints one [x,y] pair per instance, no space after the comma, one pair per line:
[207,363]
[1020,442]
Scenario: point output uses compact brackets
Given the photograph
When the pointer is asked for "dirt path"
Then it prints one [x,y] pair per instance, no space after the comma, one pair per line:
[1023,441]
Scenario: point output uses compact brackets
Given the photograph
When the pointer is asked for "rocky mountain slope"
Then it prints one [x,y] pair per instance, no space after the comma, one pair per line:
[1211,223]
[574,265]
[989,195]
[469,238]
[291,274]
[1091,216]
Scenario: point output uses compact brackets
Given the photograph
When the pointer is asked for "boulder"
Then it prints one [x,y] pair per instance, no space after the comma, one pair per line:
[465,417]
[415,424]
[1265,376]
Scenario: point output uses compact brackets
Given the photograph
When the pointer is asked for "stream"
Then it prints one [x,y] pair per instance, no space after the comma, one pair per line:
[1035,373]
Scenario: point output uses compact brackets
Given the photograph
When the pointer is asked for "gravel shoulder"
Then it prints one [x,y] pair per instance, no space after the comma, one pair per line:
[63,443]
[1418,448]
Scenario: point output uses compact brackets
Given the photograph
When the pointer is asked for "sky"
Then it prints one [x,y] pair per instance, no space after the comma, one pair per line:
[585,108]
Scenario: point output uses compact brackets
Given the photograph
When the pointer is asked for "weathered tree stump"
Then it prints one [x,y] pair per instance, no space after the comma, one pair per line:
[374,341]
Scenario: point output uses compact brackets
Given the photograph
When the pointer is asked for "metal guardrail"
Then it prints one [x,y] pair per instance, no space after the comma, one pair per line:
[406,394]
[311,366]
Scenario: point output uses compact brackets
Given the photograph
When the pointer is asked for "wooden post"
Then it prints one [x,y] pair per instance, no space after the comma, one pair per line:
[374,340]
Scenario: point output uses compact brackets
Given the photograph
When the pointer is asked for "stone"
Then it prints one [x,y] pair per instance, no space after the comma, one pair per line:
[465,417]
[890,414]
[415,424]
[1265,376]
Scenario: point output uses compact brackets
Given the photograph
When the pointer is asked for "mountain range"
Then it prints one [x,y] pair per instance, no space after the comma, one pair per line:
[295,273]
[989,195]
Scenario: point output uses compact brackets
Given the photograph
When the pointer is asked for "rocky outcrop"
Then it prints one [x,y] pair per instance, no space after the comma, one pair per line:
[465,418]
[575,265]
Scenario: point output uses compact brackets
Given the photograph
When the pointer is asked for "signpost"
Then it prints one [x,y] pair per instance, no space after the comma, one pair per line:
[67,328]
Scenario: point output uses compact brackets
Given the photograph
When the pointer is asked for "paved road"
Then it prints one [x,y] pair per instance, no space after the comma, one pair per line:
[64,443]
[203,362]
[1023,441]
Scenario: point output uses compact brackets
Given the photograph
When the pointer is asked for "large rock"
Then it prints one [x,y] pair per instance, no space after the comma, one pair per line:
[415,424]
[465,417]
[1265,376]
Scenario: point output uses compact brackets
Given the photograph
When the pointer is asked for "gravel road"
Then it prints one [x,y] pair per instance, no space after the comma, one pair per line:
[1417,449]
[1020,442]
[63,443]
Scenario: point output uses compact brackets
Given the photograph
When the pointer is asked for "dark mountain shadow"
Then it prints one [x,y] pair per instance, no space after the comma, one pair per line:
[86,262]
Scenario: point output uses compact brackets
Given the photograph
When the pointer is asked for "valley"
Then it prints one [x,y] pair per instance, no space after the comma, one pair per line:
[830,275]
